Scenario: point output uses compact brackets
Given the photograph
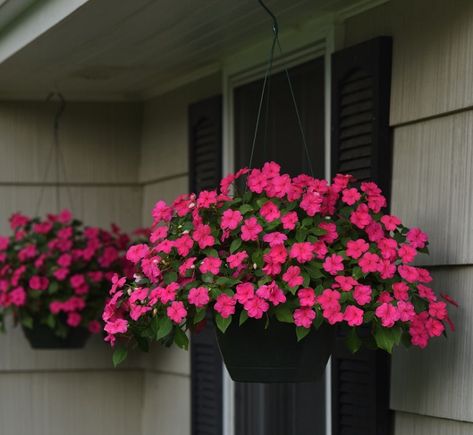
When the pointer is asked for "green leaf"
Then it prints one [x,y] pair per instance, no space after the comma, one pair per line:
[27,321]
[314,271]
[119,355]
[245,208]
[357,273]
[368,316]
[208,278]
[181,339]
[352,341]
[386,338]
[243,317]
[170,277]
[307,222]
[319,319]
[164,327]
[51,321]
[319,231]
[199,315]
[300,235]
[306,279]
[222,323]
[53,287]
[283,313]
[257,258]
[210,252]
[235,245]
[301,332]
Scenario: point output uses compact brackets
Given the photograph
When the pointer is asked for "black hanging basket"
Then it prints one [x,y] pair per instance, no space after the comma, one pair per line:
[254,354]
[43,337]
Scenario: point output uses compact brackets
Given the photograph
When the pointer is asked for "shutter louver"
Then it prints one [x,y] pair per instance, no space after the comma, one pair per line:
[361,146]
[205,156]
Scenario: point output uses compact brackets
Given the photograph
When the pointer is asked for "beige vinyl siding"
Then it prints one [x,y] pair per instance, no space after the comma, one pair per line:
[431,96]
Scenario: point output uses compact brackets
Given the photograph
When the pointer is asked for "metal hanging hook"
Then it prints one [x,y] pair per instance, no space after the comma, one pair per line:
[273,17]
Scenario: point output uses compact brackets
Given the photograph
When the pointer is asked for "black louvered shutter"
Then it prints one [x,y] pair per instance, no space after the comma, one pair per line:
[205,171]
[361,146]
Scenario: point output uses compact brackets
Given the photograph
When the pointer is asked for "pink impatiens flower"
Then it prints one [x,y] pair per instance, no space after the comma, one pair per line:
[270,211]
[289,220]
[199,296]
[203,236]
[256,307]
[362,294]
[293,277]
[388,314]
[250,229]
[311,203]
[244,292]
[230,219]
[350,196]
[356,248]
[176,312]
[136,252]
[272,293]
[390,222]
[118,326]
[225,305]
[206,198]
[304,317]
[210,265]
[235,260]
[400,290]
[361,217]
[306,297]
[333,264]
[417,238]
[353,315]
[369,262]
[302,252]
[275,238]
[37,282]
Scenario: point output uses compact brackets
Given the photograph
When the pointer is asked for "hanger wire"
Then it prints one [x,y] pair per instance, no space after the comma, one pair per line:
[55,155]
[266,92]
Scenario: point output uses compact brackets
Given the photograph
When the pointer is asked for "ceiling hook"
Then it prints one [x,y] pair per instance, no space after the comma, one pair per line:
[275,20]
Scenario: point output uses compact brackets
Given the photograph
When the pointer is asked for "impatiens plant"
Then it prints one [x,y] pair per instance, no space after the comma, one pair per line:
[294,250]
[56,272]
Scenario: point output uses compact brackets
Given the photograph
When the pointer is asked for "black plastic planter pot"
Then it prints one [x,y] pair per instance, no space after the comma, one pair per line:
[254,354]
[43,337]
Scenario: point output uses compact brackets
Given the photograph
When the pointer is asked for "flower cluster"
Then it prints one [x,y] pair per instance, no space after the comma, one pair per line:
[299,250]
[56,272]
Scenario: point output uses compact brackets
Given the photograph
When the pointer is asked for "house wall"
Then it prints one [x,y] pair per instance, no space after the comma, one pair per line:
[74,392]
[431,100]
[164,174]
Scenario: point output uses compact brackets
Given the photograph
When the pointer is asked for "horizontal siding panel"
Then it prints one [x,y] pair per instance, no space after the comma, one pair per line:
[75,403]
[99,141]
[438,380]
[432,184]
[411,424]
[166,409]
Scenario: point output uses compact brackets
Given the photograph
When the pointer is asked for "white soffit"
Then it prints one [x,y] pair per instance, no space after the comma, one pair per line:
[132,49]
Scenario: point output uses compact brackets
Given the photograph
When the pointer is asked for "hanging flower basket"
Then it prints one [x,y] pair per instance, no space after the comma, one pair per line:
[41,336]
[54,277]
[253,352]
[278,263]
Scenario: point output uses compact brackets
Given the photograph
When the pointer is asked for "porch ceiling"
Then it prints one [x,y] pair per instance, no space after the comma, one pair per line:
[108,49]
